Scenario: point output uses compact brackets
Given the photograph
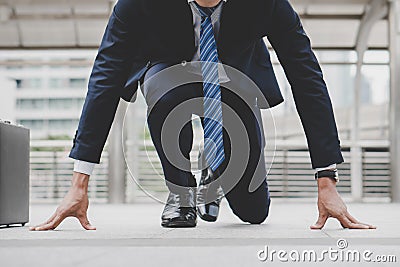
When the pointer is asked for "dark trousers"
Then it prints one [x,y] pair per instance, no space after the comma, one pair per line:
[242,174]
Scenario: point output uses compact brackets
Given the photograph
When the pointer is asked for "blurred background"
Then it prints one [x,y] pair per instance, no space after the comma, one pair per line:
[47,48]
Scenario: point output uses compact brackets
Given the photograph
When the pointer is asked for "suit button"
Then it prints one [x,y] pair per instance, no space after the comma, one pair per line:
[148,64]
[183,63]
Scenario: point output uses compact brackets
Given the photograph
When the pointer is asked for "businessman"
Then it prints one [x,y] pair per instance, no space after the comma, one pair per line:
[202,57]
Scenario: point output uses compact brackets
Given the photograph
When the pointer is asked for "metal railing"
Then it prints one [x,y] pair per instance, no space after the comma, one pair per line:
[51,172]
[290,175]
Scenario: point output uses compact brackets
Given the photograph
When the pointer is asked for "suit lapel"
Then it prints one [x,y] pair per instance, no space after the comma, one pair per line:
[179,31]
[236,26]
[224,28]
[187,22]
[222,22]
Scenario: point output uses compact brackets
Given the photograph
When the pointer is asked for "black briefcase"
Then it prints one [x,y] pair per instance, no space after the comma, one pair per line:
[14,174]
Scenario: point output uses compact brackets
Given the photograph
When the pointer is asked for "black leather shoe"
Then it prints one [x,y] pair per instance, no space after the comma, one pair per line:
[180,210]
[209,193]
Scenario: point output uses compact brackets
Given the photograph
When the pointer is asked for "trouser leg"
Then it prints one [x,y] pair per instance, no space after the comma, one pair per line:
[171,130]
[243,174]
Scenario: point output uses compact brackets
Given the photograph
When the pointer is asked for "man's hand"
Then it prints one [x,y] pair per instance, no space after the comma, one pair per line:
[74,204]
[330,204]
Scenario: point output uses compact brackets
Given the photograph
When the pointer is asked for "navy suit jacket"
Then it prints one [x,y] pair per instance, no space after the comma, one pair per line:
[140,32]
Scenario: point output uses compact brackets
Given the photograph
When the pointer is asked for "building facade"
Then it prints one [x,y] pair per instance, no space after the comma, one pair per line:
[45,90]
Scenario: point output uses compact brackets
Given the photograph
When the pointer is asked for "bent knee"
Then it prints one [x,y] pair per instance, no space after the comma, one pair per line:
[259,219]
[254,217]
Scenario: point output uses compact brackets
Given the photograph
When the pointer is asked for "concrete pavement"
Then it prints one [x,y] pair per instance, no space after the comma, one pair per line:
[131,235]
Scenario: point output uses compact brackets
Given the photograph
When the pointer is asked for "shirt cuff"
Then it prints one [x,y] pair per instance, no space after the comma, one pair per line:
[84,167]
[332,166]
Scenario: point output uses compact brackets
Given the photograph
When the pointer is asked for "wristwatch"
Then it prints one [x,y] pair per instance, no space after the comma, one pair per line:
[333,174]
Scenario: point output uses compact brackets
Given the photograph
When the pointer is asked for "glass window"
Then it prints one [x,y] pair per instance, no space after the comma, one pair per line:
[56,83]
[28,104]
[376,79]
[339,69]
[62,124]
[14,64]
[32,124]
[77,83]
[18,83]
[66,103]
[12,67]
[336,56]
[80,101]
[29,83]
[377,56]
[60,103]
[340,81]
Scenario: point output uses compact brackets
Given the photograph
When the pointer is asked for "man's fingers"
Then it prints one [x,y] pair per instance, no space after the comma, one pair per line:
[351,218]
[45,227]
[370,226]
[354,220]
[85,223]
[46,222]
[51,225]
[33,228]
[346,223]
[320,222]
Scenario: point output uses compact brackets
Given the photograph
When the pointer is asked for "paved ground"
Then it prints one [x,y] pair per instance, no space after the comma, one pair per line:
[131,235]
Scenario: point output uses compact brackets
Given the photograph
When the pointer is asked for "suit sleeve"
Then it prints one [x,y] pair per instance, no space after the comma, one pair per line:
[313,104]
[109,74]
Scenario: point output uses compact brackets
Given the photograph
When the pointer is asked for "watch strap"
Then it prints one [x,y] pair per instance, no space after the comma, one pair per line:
[333,174]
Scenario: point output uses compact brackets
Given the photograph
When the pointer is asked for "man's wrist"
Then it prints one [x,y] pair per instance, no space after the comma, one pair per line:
[80,181]
[326,183]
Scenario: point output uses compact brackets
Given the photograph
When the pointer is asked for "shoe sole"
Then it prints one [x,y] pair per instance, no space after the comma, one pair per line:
[206,217]
[168,224]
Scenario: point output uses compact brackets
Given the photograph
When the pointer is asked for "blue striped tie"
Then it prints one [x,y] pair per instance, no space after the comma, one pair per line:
[213,134]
